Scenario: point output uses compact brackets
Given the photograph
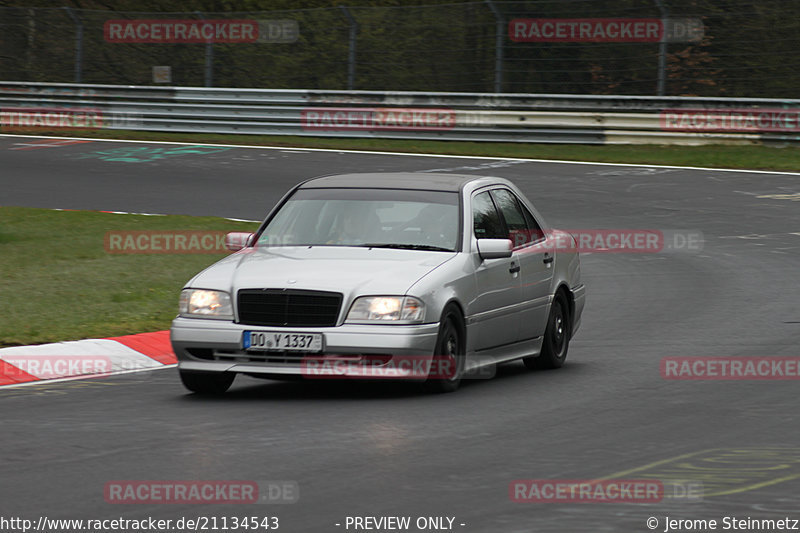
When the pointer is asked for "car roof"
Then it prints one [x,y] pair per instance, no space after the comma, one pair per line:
[428,181]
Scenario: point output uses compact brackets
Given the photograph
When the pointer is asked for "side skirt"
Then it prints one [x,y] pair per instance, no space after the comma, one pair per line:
[503,354]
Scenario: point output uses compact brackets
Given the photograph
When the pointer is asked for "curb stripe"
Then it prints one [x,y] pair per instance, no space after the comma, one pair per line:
[155,345]
[11,375]
[75,359]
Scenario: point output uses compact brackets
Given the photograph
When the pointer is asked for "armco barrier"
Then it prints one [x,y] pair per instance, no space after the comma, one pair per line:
[534,118]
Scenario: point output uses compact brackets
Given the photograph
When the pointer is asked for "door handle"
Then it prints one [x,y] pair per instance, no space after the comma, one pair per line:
[514,268]
[547,259]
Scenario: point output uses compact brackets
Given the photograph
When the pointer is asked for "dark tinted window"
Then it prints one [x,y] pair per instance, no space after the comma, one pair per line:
[522,228]
[486,221]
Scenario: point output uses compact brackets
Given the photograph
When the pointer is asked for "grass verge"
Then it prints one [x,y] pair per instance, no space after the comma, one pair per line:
[58,282]
[755,157]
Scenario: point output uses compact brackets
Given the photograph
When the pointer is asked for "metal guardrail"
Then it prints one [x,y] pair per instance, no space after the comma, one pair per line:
[534,118]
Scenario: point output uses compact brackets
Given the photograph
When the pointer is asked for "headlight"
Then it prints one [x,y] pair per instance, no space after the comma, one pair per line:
[406,309]
[206,304]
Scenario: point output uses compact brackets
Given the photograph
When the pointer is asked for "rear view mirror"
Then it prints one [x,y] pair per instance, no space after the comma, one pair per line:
[236,240]
[494,248]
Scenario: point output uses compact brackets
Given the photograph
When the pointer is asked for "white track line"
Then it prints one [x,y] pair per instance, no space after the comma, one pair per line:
[144,214]
[410,154]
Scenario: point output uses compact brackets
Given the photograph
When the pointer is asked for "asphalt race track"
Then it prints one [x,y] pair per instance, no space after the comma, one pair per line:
[362,449]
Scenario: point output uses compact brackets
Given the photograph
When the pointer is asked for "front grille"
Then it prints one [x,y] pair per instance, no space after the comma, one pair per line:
[290,308]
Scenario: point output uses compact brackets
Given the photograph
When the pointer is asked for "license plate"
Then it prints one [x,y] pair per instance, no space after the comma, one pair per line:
[282,341]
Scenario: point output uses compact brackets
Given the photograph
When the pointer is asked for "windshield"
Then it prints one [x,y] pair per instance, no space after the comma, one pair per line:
[390,218]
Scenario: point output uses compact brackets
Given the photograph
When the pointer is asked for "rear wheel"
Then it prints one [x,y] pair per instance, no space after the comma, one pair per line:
[556,337]
[449,354]
[207,382]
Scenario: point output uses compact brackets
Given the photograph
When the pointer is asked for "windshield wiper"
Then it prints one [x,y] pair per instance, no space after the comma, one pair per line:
[408,247]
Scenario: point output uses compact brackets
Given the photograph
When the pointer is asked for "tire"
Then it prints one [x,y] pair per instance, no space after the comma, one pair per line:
[207,382]
[556,337]
[449,353]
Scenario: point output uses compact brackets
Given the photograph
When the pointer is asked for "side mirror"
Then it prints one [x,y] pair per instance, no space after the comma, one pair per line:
[494,248]
[236,240]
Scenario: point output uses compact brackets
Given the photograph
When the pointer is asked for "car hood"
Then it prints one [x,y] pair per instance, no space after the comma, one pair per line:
[351,270]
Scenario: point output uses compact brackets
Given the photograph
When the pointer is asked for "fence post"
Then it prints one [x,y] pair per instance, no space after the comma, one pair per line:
[499,35]
[78,43]
[662,49]
[351,52]
[31,40]
[209,69]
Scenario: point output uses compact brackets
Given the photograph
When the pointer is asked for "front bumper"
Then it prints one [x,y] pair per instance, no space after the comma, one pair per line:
[216,346]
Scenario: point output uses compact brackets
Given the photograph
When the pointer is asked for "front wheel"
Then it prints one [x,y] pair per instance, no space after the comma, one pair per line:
[207,382]
[449,355]
[556,337]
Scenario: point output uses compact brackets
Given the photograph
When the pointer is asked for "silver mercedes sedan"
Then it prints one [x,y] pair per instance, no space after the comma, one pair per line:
[419,276]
